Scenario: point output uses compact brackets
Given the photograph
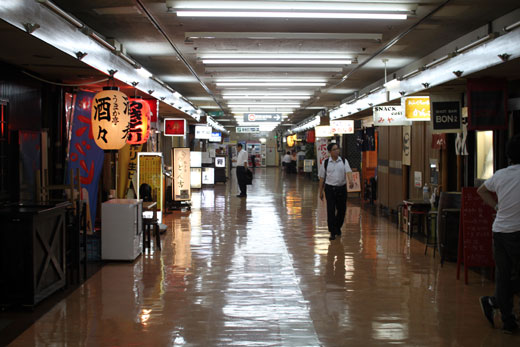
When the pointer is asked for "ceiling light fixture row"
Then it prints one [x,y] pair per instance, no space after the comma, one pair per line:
[95,61]
[307,124]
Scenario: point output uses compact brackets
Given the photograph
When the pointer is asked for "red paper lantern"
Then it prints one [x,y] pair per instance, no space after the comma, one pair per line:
[139,122]
[110,119]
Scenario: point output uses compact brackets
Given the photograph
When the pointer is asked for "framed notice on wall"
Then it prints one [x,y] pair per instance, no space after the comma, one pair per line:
[181,174]
[149,171]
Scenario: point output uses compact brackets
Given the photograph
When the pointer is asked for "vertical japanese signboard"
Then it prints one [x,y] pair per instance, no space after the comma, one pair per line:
[126,168]
[475,232]
[149,171]
[181,174]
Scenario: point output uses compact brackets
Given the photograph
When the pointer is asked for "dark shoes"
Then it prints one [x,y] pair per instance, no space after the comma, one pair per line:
[510,327]
[487,309]
[241,195]
[332,237]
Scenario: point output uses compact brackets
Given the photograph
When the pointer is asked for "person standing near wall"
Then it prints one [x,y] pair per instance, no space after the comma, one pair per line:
[506,237]
[333,175]
[241,171]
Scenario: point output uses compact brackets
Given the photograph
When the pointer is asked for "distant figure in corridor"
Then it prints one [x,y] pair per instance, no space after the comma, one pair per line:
[506,237]
[333,178]
[286,161]
[294,160]
[241,171]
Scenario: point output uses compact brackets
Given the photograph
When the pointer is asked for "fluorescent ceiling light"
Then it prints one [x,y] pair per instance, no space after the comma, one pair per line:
[265,93]
[260,110]
[275,80]
[264,105]
[266,84]
[211,107]
[266,97]
[278,61]
[317,15]
[282,35]
[290,5]
[270,69]
[297,55]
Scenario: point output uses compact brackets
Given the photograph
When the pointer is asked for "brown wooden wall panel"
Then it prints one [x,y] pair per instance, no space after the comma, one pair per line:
[417,159]
[395,181]
[382,167]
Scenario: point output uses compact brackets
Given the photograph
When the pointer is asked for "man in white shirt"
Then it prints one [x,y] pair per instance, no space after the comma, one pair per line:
[333,175]
[506,236]
[241,171]
[286,160]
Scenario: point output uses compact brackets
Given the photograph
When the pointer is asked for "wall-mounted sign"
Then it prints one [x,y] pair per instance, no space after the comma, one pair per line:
[208,175]
[446,117]
[262,117]
[181,174]
[174,127]
[389,116]
[203,132]
[220,161]
[216,113]
[195,159]
[216,136]
[407,143]
[416,108]
[248,130]
[323,131]
[417,176]
[342,127]
[196,177]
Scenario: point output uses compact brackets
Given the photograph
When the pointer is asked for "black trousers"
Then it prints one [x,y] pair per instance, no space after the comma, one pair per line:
[241,177]
[506,248]
[336,207]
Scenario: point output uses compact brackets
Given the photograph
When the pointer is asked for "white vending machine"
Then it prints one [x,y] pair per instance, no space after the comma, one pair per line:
[121,229]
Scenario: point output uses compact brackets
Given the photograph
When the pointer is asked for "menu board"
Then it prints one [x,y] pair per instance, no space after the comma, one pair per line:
[475,232]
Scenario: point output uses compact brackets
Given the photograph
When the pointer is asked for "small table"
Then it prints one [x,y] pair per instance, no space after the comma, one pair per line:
[417,207]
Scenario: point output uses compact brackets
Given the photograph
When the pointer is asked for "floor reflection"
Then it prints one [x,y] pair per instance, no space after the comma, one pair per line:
[261,272]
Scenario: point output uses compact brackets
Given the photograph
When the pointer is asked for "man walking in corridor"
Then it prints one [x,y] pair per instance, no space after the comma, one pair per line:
[241,171]
[506,237]
[333,175]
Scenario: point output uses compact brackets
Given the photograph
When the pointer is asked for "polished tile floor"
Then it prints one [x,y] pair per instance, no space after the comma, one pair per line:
[261,272]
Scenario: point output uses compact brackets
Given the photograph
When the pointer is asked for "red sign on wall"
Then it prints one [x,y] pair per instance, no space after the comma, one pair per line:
[174,127]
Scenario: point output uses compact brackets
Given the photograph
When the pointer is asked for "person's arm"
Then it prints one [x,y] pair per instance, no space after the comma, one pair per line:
[487,196]
[320,189]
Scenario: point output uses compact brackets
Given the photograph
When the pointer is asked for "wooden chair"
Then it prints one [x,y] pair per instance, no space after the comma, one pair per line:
[148,224]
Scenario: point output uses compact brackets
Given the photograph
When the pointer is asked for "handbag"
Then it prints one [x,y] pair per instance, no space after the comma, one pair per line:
[249,177]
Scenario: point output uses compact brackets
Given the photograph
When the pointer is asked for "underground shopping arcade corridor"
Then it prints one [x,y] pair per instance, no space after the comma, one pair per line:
[261,271]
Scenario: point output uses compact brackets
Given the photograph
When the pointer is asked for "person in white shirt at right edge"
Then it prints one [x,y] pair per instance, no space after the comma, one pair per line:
[506,237]
[333,175]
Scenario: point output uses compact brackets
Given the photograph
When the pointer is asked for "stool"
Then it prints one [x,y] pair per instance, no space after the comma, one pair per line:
[421,220]
[432,215]
[148,223]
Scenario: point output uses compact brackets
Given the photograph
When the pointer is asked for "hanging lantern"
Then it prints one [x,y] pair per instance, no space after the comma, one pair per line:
[139,122]
[110,118]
